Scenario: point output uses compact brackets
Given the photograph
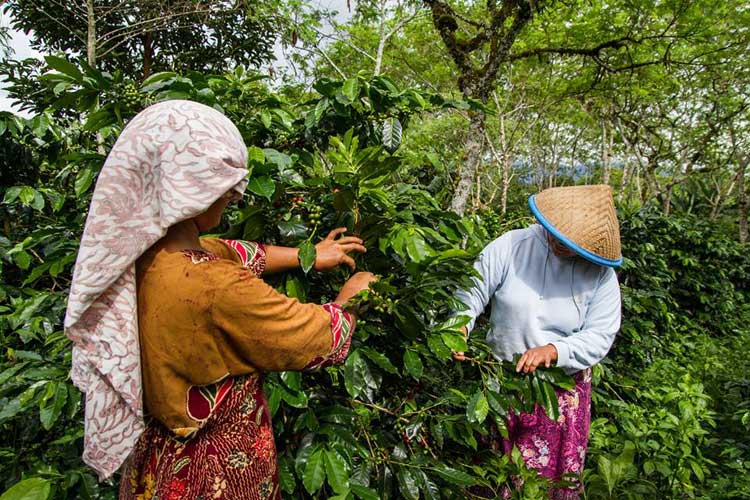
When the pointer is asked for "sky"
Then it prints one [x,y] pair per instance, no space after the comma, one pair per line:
[22,48]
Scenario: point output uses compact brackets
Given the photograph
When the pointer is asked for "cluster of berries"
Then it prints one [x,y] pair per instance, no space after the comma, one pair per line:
[315,214]
[381,304]
[131,96]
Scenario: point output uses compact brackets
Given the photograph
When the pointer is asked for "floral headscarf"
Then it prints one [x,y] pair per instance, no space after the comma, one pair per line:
[171,162]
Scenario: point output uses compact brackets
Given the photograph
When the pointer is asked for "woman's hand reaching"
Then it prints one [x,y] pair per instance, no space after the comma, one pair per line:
[544,355]
[332,252]
[358,282]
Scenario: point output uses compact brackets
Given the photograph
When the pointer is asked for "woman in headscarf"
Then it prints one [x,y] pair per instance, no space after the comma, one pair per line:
[171,332]
[555,301]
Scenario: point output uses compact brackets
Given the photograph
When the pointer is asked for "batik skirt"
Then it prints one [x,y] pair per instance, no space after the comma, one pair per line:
[232,457]
[556,448]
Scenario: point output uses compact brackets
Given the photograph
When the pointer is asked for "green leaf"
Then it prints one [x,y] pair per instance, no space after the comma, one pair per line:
[286,478]
[51,404]
[11,194]
[315,472]
[265,118]
[320,110]
[391,134]
[99,119]
[35,488]
[413,364]
[281,160]
[351,88]
[293,229]
[27,195]
[37,203]
[295,288]
[477,407]
[307,255]
[10,372]
[697,470]
[437,346]
[364,493]
[148,84]
[255,156]
[262,186]
[22,259]
[455,341]
[417,248]
[407,484]
[65,67]
[454,476]
[336,472]
[83,181]
[380,359]
[355,373]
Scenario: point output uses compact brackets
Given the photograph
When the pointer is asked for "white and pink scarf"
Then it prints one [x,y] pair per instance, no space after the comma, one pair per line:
[171,162]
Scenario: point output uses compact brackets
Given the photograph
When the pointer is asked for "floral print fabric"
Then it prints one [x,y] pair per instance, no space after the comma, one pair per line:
[252,254]
[557,449]
[170,163]
[232,457]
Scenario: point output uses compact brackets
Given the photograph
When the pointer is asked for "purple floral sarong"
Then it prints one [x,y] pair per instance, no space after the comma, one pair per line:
[557,449]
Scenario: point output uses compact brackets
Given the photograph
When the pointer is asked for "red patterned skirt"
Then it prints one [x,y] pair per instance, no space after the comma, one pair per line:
[232,457]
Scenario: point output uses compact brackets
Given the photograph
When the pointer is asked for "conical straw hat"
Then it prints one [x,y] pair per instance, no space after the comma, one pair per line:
[584,219]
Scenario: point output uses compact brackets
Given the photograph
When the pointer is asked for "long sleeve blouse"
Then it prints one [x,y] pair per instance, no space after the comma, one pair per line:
[205,316]
[538,298]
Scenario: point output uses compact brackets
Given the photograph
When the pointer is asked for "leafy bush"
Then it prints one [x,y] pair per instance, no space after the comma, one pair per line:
[399,419]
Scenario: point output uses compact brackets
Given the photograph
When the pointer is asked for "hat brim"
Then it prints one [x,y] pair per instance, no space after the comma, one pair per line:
[591,257]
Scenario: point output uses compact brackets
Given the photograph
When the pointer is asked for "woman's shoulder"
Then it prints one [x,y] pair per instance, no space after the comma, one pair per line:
[511,240]
[183,266]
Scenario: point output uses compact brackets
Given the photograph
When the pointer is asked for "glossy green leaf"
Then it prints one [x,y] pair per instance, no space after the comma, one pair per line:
[336,472]
[51,404]
[391,134]
[83,181]
[407,484]
[35,488]
[262,186]
[413,364]
[64,66]
[307,255]
[315,472]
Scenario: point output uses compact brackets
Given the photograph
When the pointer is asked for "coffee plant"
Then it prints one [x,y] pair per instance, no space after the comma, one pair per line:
[400,418]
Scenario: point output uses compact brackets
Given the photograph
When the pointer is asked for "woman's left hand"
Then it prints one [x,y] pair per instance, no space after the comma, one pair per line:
[332,252]
[545,355]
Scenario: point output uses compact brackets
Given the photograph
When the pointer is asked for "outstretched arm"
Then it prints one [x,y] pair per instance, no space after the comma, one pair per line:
[331,253]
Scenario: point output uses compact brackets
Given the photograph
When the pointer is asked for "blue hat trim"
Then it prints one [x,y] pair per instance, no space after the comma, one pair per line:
[592,257]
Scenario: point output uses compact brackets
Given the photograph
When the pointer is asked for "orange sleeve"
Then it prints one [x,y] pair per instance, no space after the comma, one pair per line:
[270,330]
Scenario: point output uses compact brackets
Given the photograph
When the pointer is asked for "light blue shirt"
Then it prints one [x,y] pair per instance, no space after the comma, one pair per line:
[539,298]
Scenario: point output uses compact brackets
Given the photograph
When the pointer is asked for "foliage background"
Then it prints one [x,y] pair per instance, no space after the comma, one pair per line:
[382,155]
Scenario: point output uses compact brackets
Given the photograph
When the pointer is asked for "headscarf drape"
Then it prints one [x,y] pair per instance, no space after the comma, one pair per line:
[171,162]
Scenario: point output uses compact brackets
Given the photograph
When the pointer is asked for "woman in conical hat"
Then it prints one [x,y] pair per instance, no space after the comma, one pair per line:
[172,333]
[555,301]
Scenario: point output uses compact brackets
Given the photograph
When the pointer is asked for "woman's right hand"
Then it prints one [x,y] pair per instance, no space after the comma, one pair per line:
[358,282]
[458,355]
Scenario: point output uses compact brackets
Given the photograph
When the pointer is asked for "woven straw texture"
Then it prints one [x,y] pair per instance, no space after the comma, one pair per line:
[585,215]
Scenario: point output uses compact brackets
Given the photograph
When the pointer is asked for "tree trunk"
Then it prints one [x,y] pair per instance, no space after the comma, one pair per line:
[667,200]
[507,164]
[472,159]
[148,54]
[381,40]
[91,35]
[624,180]
[607,143]
[742,199]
